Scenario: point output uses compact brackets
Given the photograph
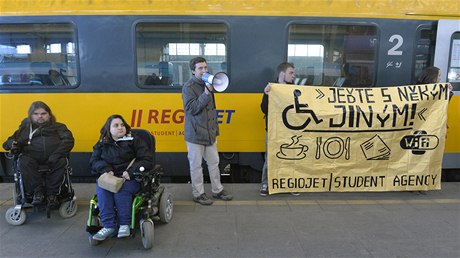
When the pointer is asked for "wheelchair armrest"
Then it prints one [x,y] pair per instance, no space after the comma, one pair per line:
[10,155]
[155,172]
[138,176]
[158,169]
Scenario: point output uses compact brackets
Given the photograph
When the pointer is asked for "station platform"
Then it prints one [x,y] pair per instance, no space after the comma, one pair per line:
[364,224]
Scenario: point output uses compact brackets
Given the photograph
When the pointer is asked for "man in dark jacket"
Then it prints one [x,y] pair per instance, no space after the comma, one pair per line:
[201,131]
[41,141]
[285,75]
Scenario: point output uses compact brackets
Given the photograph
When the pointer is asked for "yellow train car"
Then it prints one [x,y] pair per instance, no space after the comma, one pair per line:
[131,58]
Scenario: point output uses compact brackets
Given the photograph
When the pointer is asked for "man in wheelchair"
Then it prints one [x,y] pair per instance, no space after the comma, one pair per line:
[41,142]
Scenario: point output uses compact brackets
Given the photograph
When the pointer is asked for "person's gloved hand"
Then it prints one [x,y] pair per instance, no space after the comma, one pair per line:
[15,147]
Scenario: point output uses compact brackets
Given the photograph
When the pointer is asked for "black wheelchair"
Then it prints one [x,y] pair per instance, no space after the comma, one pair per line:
[152,203]
[66,196]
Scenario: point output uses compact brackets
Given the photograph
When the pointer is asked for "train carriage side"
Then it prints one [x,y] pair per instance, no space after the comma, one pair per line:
[135,65]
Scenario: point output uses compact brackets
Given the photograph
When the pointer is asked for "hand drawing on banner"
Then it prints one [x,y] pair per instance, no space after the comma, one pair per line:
[375,149]
[420,114]
[299,108]
[293,150]
[419,142]
[333,147]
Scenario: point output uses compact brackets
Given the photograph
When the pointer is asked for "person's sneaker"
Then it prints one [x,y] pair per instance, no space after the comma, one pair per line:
[53,201]
[223,195]
[263,190]
[295,193]
[124,231]
[203,200]
[38,198]
[104,233]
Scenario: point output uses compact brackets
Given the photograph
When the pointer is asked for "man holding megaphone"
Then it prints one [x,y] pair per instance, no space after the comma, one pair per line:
[201,129]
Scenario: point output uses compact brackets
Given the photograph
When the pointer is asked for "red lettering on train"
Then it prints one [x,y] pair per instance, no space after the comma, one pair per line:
[164,116]
[153,113]
[167,116]
[178,116]
[133,118]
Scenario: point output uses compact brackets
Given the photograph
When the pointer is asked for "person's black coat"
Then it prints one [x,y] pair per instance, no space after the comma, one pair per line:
[264,108]
[50,142]
[116,156]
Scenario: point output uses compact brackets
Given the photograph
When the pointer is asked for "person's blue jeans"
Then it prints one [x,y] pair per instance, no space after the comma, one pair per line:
[123,201]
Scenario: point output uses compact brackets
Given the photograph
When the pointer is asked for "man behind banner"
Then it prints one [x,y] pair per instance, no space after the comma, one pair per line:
[285,75]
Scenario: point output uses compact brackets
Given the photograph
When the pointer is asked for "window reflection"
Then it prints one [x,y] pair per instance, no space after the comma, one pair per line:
[37,55]
[333,55]
[165,49]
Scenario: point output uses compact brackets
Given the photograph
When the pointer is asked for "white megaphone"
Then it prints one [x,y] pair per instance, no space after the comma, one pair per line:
[219,81]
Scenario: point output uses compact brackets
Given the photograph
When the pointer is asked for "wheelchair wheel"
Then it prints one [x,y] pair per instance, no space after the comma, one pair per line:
[15,218]
[147,233]
[95,221]
[69,208]
[166,207]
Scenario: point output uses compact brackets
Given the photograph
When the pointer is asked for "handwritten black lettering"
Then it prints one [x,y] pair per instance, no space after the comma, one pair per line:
[351,96]
[386,97]
[359,181]
[414,180]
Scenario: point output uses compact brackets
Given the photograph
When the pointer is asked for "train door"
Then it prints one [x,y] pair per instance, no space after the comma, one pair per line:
[447,53]
[447,59]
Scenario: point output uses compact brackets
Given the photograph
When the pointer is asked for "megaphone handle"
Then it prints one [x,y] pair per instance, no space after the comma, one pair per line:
[209,87]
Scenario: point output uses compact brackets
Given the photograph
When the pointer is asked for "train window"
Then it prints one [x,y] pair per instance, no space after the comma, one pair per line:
[165,49]
[38,55]
[453,71]
[424,51]
[339,55]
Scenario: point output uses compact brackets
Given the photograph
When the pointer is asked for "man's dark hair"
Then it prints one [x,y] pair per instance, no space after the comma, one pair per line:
[195,61]
[105,130]
[40,104]
[283,67]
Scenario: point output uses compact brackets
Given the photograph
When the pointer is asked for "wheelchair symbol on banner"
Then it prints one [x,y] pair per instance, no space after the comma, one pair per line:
[299,109]
[333,147]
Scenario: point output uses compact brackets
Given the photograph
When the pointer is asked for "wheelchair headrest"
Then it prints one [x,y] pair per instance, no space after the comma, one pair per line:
[146,136]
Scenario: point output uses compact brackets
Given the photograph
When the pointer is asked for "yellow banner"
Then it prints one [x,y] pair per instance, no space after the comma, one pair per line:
[333,139]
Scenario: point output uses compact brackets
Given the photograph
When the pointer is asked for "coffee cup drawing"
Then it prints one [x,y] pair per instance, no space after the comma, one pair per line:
[293,151]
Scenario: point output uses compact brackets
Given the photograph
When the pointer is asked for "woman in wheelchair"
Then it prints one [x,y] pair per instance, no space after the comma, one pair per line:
[41,141]
[121,154]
